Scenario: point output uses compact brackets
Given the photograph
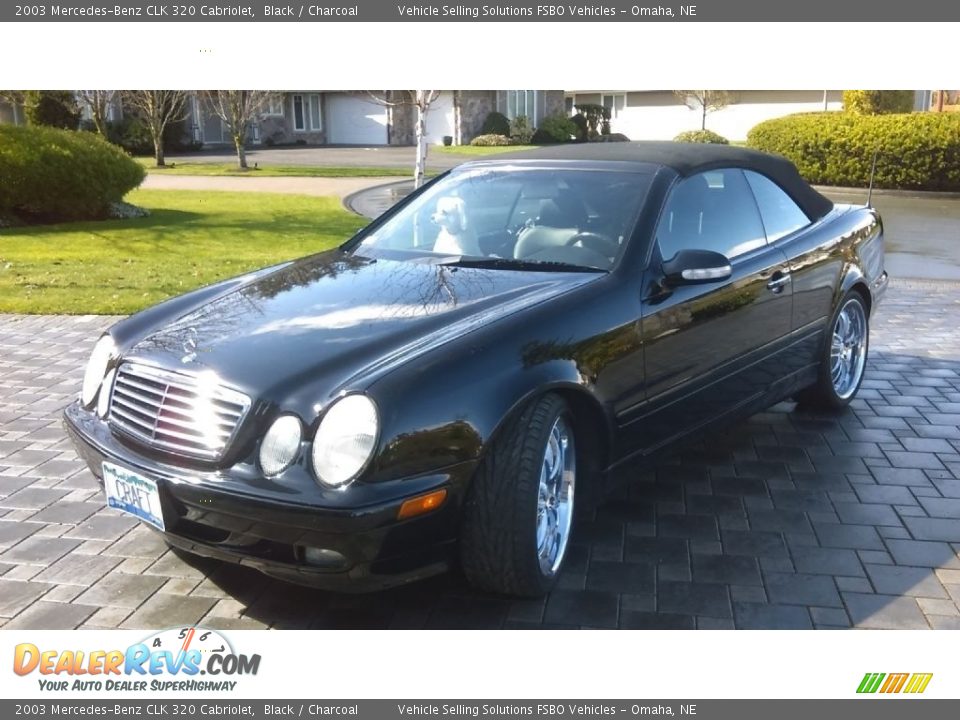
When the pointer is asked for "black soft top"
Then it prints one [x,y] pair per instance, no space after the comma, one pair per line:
[686,159]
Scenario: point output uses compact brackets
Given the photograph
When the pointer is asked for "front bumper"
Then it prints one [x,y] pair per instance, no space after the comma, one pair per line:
[363,548]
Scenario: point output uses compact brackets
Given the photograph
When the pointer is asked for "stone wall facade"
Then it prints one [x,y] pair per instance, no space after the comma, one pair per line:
[401,128]
[473,108]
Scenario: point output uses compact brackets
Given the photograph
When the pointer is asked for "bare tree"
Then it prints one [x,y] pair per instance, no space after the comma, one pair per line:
[158,109]
[421,100]
[12,96]
[97,103]
[706,101]
[238,110]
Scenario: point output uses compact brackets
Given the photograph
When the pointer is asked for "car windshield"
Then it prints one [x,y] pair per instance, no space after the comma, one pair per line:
[515,218]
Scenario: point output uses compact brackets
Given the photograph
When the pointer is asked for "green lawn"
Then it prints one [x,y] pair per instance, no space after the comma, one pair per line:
[190,239]
[474,150]
[175,167]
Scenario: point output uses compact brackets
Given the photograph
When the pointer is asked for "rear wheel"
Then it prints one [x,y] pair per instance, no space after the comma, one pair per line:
[519,512]
[844,357]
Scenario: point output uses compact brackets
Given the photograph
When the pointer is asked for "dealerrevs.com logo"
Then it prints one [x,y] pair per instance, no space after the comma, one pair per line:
[179,659]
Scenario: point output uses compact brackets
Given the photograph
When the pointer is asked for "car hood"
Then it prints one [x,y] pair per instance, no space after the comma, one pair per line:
[330,318]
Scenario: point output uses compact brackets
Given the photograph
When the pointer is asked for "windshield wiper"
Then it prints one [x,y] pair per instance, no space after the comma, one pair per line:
[495,263]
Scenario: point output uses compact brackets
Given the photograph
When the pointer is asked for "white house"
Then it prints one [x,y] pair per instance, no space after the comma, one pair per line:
[660,114]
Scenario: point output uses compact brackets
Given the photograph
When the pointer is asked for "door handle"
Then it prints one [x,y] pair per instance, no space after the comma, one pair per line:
[778,282]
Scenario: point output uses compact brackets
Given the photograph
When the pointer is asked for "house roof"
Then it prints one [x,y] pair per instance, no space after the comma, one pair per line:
[685,159]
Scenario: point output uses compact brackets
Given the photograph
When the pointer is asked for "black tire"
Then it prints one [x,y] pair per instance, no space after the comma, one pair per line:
[823,393]
[498,539]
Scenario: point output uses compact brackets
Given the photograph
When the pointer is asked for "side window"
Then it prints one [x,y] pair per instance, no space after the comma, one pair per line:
[715,211]
[781,215]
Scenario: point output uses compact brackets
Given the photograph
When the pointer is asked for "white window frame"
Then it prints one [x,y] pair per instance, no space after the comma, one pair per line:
[310,123]
[274,108]
[614,113]
[515,95]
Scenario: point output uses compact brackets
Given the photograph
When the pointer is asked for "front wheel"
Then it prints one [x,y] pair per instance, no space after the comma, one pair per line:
[844,357]
[519,511]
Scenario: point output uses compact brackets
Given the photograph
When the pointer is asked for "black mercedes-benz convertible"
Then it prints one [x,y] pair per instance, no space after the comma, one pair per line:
[448,384]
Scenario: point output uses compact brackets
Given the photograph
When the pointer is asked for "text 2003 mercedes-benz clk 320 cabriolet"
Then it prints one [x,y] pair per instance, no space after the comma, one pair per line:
[447,384]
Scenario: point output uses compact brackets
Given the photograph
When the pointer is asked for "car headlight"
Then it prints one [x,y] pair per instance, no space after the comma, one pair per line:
[345,440]
[280,445]
[100,358]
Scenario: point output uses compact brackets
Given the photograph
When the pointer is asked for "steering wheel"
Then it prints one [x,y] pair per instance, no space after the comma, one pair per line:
[596,242]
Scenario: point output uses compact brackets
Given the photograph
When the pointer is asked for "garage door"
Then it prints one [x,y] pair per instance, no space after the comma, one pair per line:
[440,118]
[353,120]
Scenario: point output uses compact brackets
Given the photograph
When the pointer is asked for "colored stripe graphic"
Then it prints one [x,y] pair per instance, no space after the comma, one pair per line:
[894,683]
[918,682]
[870,682]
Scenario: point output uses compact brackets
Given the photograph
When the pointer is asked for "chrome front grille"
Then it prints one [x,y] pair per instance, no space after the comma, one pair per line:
[186,414]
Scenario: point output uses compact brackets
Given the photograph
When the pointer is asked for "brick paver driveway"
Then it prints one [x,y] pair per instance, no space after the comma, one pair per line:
[786,520]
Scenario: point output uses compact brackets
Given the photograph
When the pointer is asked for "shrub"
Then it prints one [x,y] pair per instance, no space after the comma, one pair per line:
[177,138]
[580,120]
[52,108]
[701,136]
[495,124]
[595,116]
[50,174]
[612,137]
[491,140]
[915,151]
[521,131]
[131,134]
[555,129]
[877,102]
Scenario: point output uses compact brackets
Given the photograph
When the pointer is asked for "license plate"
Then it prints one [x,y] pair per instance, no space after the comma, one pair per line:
[133,493]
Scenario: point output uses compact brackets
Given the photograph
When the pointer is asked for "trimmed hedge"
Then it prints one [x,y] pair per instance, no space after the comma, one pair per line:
[555,129]
[491,140]
[48,174]
[610,137]
[708,137]
[877,102]
[917,151]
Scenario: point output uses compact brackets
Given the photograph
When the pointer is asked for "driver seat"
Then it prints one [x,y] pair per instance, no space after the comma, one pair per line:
[554,229]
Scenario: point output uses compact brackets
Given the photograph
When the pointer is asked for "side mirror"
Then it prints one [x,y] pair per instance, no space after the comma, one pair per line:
[689,267]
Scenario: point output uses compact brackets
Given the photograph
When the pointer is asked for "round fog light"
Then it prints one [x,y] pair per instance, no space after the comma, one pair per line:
[321,557]
[280,445]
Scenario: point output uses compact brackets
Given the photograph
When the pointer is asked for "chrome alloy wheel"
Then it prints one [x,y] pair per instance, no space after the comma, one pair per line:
[558,474]
[848,349]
